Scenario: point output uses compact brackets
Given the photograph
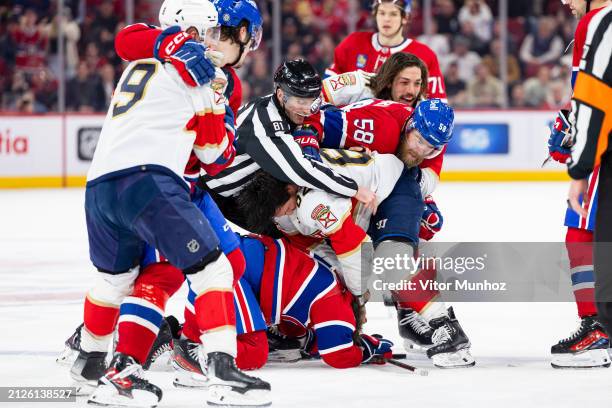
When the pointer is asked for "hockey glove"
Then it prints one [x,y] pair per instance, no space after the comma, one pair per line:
[308,140]
[560,142]
[431,220]
[185,54]
[375,348]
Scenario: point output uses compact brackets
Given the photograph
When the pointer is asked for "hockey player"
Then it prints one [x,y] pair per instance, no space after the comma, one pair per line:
[241,30]
[586,347]
[368,51]
[395,224]
[135,194]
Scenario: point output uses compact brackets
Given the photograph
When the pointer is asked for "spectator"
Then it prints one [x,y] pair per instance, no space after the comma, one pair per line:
[323,54]
[93,58]
[31,42]
[478,14]
[455,86]
[84,93]
[260,80]
[517,96]
[475,43]
[72,34]
[27,103]
[446,17]
[484,90]
[466,60]
[536,88]
[558,95]
[542,47]
[492,59]
[437,42]
[107,74]
[44,87]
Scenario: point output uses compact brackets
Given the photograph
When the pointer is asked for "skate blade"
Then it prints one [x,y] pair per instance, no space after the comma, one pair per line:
[458,359]
[225,396]
[284,356]
[414,348]
[188,379]
[107,396]
[598,358]
[67,357]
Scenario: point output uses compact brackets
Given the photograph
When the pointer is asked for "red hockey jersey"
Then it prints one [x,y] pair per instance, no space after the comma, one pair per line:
[361,50]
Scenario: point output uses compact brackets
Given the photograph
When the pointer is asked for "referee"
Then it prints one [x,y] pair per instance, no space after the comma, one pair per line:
[264,141]
[592,127]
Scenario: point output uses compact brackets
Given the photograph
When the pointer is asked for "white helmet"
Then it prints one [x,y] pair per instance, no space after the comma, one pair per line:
[201,14]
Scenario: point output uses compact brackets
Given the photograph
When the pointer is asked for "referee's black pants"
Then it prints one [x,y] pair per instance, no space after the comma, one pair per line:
[603,244]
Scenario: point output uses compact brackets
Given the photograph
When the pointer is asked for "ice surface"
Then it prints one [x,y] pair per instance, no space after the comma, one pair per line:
[45,271]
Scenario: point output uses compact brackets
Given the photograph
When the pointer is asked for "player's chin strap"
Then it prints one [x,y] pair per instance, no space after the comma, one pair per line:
[588,5]
[242,48]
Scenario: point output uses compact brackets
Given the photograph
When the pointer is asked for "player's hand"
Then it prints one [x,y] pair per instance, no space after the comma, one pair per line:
[185,54]
[366,77]
[375,348]
[560,141]
[431,220]
[308,139]
[577,189]
[367,198]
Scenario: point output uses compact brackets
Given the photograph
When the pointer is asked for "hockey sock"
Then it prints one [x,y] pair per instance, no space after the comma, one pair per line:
[579,244]
[101,308]
[252,350]
[214,306]
[141,314]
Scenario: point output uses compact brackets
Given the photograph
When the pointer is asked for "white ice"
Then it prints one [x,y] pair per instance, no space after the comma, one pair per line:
[45,271]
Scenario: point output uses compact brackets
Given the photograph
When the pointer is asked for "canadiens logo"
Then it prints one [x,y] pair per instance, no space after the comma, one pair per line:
[362,59]
[323,215]
[342,81]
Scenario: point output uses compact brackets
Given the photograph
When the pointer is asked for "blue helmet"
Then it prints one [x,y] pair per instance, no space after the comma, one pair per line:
[434,120]
[232,12]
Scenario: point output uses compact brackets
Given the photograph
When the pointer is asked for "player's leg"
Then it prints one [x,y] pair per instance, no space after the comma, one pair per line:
[193,247]
[114,251]
[395,231]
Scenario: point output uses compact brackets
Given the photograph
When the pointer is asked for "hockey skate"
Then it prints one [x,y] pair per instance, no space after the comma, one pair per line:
[72,346]
[228,386]
[414,330]
[186,362]
[451,347]
[86,370]
[587,347]
[160,356]
[124,385]
[282,349]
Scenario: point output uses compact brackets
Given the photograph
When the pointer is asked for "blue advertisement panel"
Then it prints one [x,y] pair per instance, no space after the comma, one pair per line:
[479,138]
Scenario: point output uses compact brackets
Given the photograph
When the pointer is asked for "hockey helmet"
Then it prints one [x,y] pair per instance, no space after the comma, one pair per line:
[434,120]
[200,14]
[233,12]
[298,78]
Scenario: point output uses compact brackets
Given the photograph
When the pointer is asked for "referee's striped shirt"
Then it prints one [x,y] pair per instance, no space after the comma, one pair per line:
[592,100]
[265,142]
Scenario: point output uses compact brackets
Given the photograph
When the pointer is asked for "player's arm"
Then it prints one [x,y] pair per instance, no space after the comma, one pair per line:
[213,125]
[141,41]
[278,154]
[347,88]
[333,217]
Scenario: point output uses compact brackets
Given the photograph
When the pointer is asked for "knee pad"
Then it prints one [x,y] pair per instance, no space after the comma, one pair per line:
[111,289]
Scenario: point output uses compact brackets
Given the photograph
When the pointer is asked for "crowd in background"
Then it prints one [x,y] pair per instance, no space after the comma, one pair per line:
[465,36]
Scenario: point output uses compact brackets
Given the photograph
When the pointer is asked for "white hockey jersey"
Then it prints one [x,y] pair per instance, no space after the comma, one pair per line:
[322,215]
[155,119]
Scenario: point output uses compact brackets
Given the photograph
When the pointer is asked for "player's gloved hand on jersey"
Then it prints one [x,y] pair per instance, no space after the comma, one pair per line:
[366,77]
[560,142]
[431,220]
[308,139]
[185,54]
[375,348]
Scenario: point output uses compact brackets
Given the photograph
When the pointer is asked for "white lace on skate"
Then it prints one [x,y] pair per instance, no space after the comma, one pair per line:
[441,335]
[415,321]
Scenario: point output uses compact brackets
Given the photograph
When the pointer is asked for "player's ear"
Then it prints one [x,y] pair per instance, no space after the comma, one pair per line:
[243,34]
